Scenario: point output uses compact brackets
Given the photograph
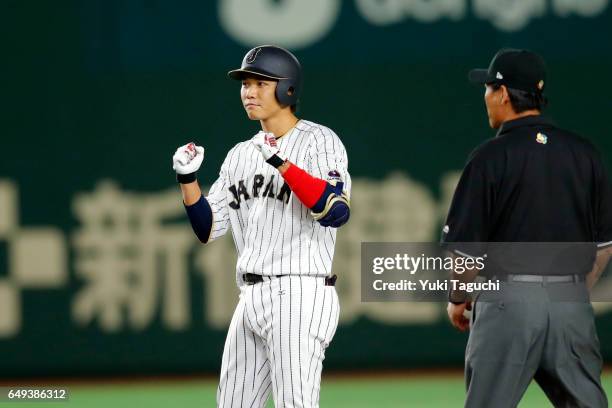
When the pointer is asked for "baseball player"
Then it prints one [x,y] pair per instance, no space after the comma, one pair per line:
[282,193]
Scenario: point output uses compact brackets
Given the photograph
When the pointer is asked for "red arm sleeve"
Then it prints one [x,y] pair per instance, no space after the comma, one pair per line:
[307,188]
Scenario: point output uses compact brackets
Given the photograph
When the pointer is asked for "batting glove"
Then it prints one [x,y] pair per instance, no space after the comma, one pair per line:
[186,161]
[266,144]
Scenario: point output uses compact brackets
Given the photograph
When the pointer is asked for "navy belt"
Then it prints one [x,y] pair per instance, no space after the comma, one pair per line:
[253,278]
[543,278]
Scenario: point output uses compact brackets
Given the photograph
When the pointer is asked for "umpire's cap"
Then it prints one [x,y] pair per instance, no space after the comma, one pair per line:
[272,62]
[517,69]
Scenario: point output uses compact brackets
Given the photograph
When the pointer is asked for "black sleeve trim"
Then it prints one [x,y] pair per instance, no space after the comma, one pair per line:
[603,245]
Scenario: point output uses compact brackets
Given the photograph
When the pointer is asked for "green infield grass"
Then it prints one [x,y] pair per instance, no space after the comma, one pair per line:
[386,391]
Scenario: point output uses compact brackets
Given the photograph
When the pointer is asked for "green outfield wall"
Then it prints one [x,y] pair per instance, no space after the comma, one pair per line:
[99,270]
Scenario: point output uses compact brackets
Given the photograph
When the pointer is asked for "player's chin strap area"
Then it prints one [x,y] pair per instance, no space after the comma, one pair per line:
[328,202]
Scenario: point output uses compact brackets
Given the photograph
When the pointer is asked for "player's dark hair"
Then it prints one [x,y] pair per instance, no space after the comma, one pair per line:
[522,100]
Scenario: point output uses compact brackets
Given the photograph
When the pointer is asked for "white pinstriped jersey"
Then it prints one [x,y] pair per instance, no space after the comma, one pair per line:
[274,232]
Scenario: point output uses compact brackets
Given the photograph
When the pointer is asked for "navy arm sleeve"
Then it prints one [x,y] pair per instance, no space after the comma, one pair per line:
[201,218]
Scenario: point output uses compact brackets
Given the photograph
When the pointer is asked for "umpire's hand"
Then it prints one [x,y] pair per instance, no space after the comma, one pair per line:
[456,315]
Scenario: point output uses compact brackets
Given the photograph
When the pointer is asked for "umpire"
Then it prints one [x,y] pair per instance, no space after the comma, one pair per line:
[524,201]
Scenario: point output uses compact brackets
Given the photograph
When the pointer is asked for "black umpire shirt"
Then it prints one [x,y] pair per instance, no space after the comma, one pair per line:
[533,183]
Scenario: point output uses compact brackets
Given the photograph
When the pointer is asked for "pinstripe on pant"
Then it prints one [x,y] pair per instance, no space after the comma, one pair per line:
[276,342]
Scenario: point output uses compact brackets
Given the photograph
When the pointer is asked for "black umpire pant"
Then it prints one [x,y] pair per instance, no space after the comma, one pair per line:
[543,331]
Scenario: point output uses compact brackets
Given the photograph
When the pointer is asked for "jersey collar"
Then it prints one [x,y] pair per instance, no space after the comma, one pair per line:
[532,120]
[290,130]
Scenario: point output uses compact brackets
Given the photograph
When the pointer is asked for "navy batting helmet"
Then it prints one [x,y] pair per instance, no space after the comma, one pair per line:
[270,61]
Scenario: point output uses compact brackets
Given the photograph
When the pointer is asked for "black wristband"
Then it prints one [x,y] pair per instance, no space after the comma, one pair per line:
[186,178]
[275,161]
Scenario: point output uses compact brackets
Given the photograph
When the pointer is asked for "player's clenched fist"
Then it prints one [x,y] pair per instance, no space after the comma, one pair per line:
[188,158]
[266,144]
[186,161]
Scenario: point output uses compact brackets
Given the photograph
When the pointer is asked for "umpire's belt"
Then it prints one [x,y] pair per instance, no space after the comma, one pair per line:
[543,278]
[253,278]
